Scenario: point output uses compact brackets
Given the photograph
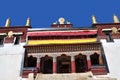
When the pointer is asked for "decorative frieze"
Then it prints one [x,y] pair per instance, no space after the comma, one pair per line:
[63,48]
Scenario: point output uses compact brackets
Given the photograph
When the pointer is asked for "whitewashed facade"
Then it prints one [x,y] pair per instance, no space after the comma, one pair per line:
[112,53]
[11,61]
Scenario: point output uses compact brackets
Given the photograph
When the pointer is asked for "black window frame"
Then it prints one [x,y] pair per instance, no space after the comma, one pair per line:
[17,40]
[2,38]
[108,36]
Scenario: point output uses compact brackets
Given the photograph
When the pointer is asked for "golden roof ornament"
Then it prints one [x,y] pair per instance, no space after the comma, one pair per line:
[28,22]
[61,20]
[114,30]
[115,18]
[7,24]
[94,20]
[10,34]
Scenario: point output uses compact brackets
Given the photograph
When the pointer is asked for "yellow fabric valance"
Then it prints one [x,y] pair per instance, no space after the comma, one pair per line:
[67,41]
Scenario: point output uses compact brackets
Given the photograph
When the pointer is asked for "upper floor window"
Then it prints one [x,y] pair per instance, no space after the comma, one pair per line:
[108,35]
[1,40]
[2,36]
[17,40]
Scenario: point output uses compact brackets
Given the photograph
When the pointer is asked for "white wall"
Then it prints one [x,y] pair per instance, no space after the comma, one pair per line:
[11,57]
[112,52]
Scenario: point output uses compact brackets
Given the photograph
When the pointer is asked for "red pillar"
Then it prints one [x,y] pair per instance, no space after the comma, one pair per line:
[38,63]
[72,64]
[88,62]
[54,65]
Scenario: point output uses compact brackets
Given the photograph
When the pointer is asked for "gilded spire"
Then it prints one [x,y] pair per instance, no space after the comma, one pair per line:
[115,18]
[28,22]
[7,24]
[94,20]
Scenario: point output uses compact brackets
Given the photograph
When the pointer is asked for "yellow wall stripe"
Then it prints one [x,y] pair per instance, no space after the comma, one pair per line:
[68,41]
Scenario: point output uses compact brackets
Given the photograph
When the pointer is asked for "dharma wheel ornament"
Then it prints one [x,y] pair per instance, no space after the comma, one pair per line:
[114,30]
[61,20]
[10,34]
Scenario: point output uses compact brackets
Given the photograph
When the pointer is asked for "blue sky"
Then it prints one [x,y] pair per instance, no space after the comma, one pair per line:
[44,12]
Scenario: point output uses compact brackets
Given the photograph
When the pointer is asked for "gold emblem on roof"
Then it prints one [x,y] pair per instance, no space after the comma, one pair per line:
[10,34]
[114,30]
[61,20]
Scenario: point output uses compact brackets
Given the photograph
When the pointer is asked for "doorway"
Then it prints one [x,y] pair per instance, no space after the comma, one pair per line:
[63,64]
[81,63]
[46,65]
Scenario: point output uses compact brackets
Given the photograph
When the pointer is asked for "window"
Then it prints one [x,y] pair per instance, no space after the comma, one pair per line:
[32,61]
[108,37]
[17,40]
[94,59]
[1,40]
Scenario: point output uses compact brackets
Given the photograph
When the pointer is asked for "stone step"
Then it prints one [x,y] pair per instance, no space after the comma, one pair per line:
[104,78]
[69,76]
[72,76]
[26,72]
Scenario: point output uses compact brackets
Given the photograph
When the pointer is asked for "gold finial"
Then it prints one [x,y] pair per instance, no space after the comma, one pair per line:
[115,18]
[61,20]
[94,20]
[28,22]
[7,24]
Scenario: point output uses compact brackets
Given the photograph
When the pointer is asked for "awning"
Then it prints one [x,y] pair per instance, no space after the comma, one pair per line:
[18,33]
[2,34]
[106,29]
[61,33]
[67,41]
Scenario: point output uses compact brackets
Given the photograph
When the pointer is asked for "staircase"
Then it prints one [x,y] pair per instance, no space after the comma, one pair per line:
[72,76]
[69,76]
[26,71]
[103,77]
